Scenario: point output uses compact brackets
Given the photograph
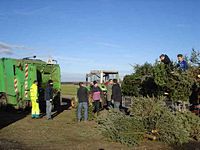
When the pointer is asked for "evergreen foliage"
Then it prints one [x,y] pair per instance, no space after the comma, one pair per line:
[90,112]
[149,86]
[121,128]
[195,57]
[156,116]
[191,123]
[150,116]
[157,79]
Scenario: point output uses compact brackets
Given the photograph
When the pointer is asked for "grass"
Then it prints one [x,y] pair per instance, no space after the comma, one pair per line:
[63,132]
[69,89]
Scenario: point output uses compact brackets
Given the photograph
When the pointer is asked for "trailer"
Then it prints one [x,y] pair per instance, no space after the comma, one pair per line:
[17,76]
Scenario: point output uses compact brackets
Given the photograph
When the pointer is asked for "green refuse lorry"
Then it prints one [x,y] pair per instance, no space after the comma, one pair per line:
[17,76]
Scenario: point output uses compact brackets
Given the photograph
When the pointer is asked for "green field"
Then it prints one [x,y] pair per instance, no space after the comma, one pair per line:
[69,89]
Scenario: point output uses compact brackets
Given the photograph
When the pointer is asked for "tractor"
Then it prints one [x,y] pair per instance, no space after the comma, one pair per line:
[102,77]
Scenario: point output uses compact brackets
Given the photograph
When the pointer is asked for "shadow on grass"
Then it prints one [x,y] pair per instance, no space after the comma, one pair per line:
[193,145]
[59,108]
[10,115]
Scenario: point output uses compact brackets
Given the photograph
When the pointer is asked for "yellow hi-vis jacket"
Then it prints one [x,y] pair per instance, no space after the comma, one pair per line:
[34,92]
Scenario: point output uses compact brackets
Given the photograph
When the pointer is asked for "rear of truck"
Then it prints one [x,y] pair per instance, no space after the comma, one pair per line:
[9,84]
[17,76]
[46,72]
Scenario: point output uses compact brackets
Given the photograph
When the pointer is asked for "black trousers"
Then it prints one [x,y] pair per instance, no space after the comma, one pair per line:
[96,105]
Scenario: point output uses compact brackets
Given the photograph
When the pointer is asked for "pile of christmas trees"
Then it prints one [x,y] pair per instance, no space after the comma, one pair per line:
[150,119]
[158,79]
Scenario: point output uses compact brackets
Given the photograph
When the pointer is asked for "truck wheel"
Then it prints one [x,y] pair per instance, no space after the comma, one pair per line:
[3,101]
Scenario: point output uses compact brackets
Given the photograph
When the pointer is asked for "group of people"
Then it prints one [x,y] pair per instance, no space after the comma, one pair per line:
[113,94]
[48,95]
[182,64]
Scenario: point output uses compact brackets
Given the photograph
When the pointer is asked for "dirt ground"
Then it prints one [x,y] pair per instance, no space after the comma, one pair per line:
[18,131]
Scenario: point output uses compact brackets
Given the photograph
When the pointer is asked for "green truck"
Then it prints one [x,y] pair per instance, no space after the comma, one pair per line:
[17,76]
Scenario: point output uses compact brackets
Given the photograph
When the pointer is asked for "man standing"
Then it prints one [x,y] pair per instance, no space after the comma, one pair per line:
[182,64]
[34,100]
[116,94]
[82,95]
[49,98]
[109,93]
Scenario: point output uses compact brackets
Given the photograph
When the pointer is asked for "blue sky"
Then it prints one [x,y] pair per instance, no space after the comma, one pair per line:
[98,34]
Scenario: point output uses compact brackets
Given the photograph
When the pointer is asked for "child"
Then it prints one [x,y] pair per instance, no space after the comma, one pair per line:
[182,64]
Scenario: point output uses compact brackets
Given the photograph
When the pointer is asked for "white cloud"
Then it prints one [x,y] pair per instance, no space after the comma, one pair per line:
[9,49]
[5,51]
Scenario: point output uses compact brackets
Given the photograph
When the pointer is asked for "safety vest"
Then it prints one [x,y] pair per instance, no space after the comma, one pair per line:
[34,92]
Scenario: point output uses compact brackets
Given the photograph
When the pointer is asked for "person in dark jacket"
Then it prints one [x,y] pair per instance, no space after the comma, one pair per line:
[165,59]
[49,99]
[82,95]
[182,64]
[116,94]
[168,64]
[96,96]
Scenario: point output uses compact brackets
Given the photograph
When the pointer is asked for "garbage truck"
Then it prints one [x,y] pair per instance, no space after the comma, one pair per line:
[17,76]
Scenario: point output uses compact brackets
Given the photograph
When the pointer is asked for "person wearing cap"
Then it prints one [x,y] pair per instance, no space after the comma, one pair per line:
[49,99]
[82,95]
[96,96]
[182,64]
[35,111]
